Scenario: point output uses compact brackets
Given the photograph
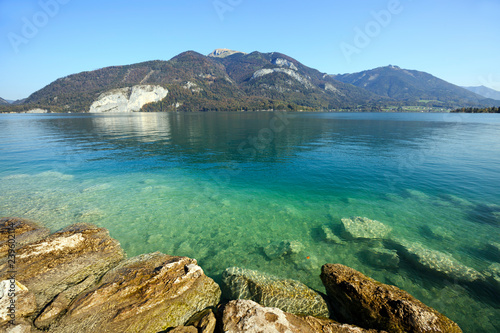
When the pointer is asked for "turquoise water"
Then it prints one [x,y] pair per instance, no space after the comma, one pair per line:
[224,188]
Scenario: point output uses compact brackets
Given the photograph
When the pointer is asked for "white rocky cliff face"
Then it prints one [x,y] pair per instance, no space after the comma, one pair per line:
[130,99]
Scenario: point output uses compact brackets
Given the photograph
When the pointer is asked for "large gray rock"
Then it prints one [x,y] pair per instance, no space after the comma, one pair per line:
[249,317]
[148,293]
[59,267]
[439,262]
[362,227]
[16,232]
[288,295]
[363,301]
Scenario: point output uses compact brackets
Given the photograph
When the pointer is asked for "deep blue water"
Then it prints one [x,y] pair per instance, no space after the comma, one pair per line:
[223,187]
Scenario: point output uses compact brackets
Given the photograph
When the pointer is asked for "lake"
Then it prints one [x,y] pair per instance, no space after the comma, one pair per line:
[268,191]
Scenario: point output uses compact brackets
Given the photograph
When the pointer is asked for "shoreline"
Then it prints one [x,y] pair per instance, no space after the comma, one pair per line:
[61,275]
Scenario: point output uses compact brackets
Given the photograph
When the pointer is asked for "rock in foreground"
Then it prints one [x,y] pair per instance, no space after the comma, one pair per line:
[288,295]
[146,294]
[363,301]
[20,232]
[250,317]
[57,268]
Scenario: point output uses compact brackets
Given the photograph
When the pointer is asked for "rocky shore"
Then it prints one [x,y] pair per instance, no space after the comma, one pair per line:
[79,280]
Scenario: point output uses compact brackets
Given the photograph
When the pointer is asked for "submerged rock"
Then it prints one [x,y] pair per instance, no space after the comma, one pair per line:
[248,316]
[329,236]
[493,248]
[440,262]
[436,232]
[382,257]
[493,274]
[288,295]
[57,268]
[363,301]
[282,249]
[147,293]
[20,232]
[362,227]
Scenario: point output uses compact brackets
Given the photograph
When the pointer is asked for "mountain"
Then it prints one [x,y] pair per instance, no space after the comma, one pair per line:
[224,80]
[228,80]
[485,92]
[413,87]
[3,101]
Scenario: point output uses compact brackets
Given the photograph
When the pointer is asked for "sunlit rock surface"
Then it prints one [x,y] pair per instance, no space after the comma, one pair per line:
[130,99]
[288,295]
[367,303]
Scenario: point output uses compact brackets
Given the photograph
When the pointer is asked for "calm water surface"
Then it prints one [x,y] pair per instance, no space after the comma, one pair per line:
[223,187]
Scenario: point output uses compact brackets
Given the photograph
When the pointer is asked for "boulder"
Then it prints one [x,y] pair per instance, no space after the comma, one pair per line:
[16,301]
[283,249]
[288,295]
[147,293]
[57,268]
[204,321]
[493,274]
[250,317]
[439,262]
[362,227]
[20,232]
[382,257]
[363,301]
[184,329]
[329,236]
[493,250]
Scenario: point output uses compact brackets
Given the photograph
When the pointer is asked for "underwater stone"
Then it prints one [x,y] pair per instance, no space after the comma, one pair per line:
[247,316]
[362,227]
[440,262]
[288,295]
[494,249]
[282,249]
[493,274]
[383,257]
[328,235]
[436,232]
[367,303]
[148,293]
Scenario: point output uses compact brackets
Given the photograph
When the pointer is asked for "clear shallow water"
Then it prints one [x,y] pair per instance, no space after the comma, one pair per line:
[201,185]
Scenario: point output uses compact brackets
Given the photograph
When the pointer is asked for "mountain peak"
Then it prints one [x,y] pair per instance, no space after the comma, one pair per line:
[222,53]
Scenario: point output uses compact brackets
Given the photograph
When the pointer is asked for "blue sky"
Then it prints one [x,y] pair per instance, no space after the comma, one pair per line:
[458,41]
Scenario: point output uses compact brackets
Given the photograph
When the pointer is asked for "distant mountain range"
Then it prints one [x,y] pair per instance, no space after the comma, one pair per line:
[233,80]
[411,86]
[3,101]
[485,92]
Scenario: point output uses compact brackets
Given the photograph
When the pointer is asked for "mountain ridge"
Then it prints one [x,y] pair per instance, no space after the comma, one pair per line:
[485,92]
[411,86]
[227,80]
